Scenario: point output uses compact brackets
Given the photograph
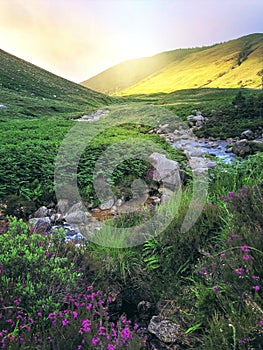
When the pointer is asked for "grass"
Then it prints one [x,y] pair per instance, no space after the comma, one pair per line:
[30,92]
[232,64]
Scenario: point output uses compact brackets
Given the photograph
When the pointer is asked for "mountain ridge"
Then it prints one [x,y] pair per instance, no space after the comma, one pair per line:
[30,91]
[231,64]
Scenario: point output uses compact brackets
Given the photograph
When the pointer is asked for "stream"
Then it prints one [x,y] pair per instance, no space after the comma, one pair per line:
[215,148]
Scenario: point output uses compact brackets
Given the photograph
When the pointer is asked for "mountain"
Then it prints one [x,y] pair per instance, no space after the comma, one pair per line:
[29,91]
[233,64]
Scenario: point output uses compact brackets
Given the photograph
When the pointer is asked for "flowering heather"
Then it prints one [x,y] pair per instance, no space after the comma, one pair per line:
[76,327]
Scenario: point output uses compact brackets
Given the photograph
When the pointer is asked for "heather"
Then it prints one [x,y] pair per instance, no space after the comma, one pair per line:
[56,295]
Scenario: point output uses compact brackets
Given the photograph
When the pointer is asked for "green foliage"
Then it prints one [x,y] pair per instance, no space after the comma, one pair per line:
[34,267]
[245,113]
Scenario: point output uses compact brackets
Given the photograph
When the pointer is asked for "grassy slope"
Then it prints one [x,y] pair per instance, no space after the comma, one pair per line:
[232,64]
[29,92]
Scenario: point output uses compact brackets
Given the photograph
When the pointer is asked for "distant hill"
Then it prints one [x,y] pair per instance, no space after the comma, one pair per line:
[233,64]
[29,91]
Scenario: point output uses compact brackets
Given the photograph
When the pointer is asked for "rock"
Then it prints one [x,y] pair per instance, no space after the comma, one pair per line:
[77,217]
[76,207]
[3,107]
[118,202]
[210,164]
[41,212]
[247,134]
[107,205]
[40,223]
[165,330]
[57,217]
[63,206]
[166,170]
[241,148]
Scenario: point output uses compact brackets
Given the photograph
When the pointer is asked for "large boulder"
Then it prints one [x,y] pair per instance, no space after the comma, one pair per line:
[241,148]
[166,171]
[77,217]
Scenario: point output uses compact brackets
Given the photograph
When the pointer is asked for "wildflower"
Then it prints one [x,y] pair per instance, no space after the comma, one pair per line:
[239,271]
[111,347]
[257,288]
[261,322]
[245,248]
[39,314]
[79,347]
[222,255]
[126,333]
[215,289]
[89,288]
[94,341]
[231,194]
[136,326]
[247,257]
[86,325]
[51,315]
[16,302]
[65,322]
[255,277]
[101,330]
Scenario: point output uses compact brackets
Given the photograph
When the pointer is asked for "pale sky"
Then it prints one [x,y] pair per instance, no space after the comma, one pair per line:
[77,39]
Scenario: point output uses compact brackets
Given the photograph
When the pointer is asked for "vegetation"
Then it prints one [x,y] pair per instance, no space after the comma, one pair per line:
[213,273]
[208,280]
[30,92]
[233,64]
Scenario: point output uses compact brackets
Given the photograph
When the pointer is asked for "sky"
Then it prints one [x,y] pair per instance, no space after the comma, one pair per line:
[77,39]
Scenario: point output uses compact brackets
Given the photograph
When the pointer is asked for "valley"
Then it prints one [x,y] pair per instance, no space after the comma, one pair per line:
[120,228]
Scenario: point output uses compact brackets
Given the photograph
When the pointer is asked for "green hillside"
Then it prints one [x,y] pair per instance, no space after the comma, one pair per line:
[29,91]
[233,64]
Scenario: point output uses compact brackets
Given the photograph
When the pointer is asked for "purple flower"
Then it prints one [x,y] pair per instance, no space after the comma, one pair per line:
[255,277]
[51,315]
[65,322]
[126,333]
[239,271]
[111,347]
[257,288]
[247,257]
[245,248]
[215,289]
[261,322]
[136,326]
[94,341]
[222,255]
[75,314]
